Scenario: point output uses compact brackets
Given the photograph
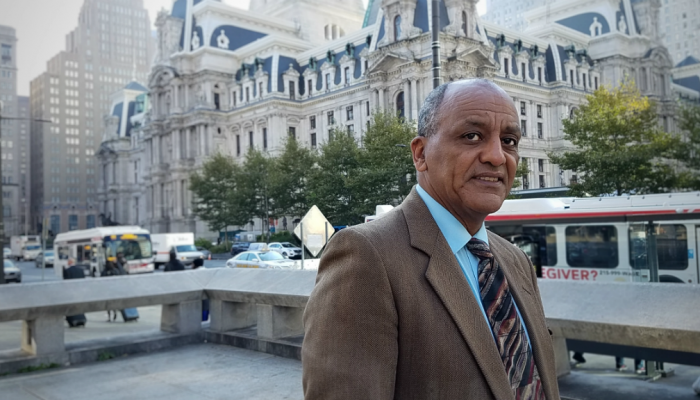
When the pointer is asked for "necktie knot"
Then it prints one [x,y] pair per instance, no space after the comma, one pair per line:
[479,248]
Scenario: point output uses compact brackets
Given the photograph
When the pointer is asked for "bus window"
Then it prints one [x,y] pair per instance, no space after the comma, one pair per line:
[671,246]
[546,239]
[63,252]
[591,246]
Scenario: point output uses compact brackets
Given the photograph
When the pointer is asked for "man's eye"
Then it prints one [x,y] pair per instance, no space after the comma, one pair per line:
[472,136]
[510,141]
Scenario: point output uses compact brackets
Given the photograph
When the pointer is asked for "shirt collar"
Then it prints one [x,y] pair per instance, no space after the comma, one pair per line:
[454,232]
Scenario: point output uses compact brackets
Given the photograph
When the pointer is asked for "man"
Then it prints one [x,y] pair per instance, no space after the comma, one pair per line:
[174,264]
[407,306]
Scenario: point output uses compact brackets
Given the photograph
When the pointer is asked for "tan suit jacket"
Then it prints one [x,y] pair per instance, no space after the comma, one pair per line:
[393,317]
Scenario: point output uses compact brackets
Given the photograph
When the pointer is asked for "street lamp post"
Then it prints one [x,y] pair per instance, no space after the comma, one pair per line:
[2,214]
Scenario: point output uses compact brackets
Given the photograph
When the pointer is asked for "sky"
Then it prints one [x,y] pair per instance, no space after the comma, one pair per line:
[41,27]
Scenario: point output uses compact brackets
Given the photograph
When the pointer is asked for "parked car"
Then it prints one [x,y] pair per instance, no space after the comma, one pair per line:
[239,247]
[6,252]
[260,259]
[205,253]
[258,246]
[49,254]
[12,273]
[287,249]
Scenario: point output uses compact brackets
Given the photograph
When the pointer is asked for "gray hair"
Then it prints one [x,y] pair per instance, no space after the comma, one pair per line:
[428,117]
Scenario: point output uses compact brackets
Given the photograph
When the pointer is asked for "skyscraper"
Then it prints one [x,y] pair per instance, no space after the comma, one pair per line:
[13,141]
[111,46]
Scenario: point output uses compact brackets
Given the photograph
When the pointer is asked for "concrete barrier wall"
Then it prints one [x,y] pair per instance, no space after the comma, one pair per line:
[265,307]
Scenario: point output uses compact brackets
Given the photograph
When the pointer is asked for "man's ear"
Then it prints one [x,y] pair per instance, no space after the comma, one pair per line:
[418,149]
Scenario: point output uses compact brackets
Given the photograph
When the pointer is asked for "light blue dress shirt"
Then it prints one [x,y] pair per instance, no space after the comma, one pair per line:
[457,238]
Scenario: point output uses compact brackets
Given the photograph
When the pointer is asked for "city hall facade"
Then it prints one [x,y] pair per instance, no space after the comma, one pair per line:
[225,80]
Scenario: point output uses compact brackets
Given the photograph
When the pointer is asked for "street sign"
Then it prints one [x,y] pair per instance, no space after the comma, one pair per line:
[314,230]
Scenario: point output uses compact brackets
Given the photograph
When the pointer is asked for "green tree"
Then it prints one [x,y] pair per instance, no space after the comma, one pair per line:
[254,188]
[522,171]
[619,146]
[333,178]
[689,154]
[215,191]
[290,178]
[386,173]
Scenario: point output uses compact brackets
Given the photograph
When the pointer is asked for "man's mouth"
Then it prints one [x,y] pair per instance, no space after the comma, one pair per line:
[487,179]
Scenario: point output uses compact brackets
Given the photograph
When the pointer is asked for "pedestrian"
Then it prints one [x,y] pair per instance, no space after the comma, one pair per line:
[174,264]
[409,305]
[111,269]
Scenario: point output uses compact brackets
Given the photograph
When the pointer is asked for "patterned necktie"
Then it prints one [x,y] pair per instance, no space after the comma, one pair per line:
[505,323]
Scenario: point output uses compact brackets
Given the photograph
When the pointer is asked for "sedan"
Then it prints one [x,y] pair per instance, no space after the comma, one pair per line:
[260,259]
[287,249]
[49,255]
[12,273]
[239,247]
[205,253]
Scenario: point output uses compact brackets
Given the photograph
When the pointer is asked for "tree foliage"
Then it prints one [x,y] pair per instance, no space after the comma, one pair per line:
[346,181]
[689,154]
[386,173]
[619,146]
[214,189]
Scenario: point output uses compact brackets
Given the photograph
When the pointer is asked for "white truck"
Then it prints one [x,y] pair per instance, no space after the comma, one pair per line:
[181,243]
[25,247]
[379,212]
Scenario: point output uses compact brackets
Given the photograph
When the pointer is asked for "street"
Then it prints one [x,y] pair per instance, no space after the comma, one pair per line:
[32,274]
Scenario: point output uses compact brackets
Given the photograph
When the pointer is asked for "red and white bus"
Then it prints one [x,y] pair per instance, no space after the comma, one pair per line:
[605,238]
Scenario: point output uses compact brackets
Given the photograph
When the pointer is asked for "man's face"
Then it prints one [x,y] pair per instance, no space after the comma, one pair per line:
[469,163]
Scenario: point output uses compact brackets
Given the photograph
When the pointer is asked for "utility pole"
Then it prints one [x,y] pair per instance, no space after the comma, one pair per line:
[435,29]
[2,209]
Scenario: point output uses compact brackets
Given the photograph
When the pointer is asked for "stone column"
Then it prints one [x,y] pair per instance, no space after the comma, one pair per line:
[414,99]
[187,142]
[407,99]
[381,99]
[185,317]
[43,335]
[277,321]
[203,140]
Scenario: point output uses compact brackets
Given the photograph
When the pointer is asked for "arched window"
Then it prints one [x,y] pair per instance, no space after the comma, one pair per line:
[572,113]
[464,23]
[399,105]
[397,28]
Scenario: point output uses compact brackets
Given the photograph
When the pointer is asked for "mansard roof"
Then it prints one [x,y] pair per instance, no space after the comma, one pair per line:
[133,85]
[690,60]
[691,82]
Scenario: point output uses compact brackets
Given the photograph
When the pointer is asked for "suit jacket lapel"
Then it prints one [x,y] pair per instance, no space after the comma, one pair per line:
[447,279]
[524,299]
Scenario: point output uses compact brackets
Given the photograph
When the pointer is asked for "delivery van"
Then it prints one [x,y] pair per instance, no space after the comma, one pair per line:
[181,243]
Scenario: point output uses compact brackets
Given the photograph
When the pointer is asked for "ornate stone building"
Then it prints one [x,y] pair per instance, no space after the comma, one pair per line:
[226,79]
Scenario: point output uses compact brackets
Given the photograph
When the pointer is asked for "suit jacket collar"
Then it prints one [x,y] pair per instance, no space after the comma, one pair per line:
[445,276]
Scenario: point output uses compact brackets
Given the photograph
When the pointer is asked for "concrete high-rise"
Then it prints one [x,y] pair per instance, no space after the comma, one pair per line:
[14,136]
[111,46]
[680,25]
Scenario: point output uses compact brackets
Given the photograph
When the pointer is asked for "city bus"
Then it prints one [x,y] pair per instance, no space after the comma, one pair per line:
[606,238]
[92,248]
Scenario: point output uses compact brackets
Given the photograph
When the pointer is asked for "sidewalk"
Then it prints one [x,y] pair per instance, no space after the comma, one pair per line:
[203,371]
[207,371]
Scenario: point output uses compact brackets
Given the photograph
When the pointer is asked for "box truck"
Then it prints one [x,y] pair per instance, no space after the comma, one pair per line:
[25,247]
[181,243]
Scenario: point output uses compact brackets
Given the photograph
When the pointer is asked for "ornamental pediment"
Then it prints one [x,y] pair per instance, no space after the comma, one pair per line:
[477,56]
[388,62]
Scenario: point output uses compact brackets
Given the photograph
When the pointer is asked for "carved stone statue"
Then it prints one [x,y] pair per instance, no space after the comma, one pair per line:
[596,27]
[195,40]
[222,41]
[622,25]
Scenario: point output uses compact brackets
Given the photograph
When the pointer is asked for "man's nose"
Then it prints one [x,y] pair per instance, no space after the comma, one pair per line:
[492,152]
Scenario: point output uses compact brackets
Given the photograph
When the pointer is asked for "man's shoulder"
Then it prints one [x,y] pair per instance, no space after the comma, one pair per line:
[390,226]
